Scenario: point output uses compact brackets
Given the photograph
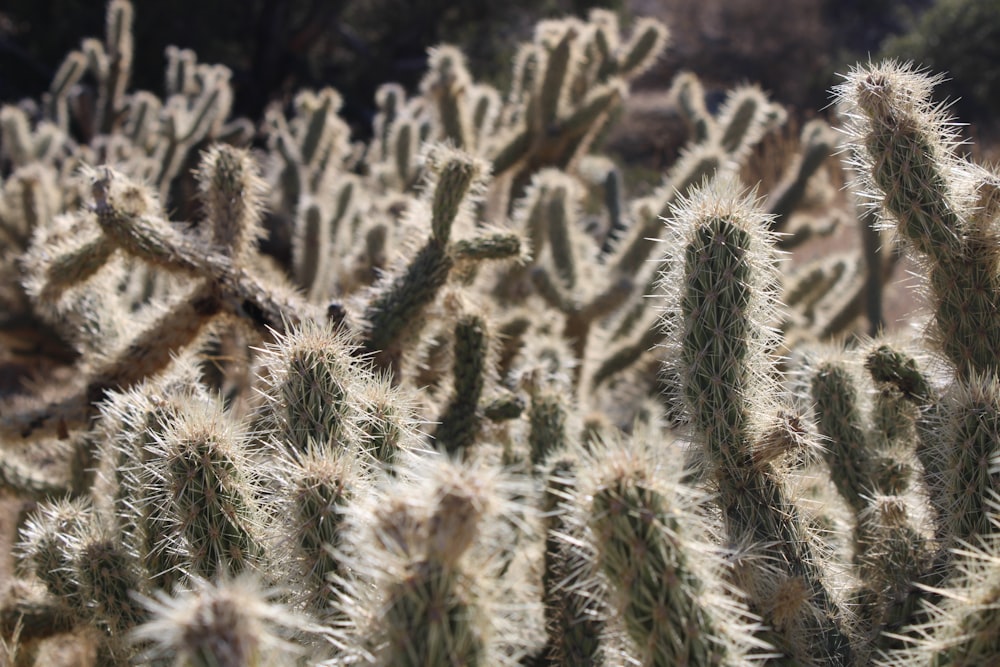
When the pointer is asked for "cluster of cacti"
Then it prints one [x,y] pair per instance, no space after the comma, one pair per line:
[438,422]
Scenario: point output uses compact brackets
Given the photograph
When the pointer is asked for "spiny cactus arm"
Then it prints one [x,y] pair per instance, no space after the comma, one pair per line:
[126,213]
[967,288]
[29,201]
[313,489]
[668,587]
[311,244]
[27,479]
[205,491]
[696,165]
[574,612]
[551,291]
[580,123]
[649,39]
[615,205]
[427,590]
[16,134]
[56,264]
[389,421]
[804,228]
[404,142]
[231,192]
[108,578]
[904,147]
[826,296]
[151,351]
[119,49]
[624,355]
[319,234]
[902,144]
[323,136]
[231,622]
[895,568]
[745,117]
[888,364]
[393,309]
[840,418]
[310,385]
[317,132]
[460,422]
[142,124]
[560,40]
[291,175]
[510,150]
[806,284]
[689,95]
[963,627]
[485,112]
[72,69]
[43,548]
[448,85]
[179,74]
[970,440]
[723,284]
[616,294]
[496,246]
[390,98]
[548,413]
[456,178]
[186,123]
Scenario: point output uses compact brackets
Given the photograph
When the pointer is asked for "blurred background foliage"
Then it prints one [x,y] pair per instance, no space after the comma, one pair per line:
[792,48]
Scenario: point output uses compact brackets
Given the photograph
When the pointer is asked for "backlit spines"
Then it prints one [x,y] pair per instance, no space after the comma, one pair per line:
[233,622]
[313,491]
[904,147]
[108,578]
[472,372]
[663,578]
[575,605]
[207,500]
[722,284]
[44,549]
[961,629]
[311,381]
[327,403]
[231,194]
[971,414]
[456,176]
[842,420]
[425,553]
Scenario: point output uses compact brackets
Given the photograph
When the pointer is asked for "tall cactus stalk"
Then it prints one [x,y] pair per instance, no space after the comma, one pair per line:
[722,286]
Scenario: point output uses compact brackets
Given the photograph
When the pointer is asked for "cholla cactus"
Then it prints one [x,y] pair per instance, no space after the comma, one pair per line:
[722,285]
[427,569]
[664,579]
[233,623]
[414,389]
[940,204]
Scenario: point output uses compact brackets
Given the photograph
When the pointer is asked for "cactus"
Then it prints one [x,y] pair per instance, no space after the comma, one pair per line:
[722,296]
[413,389]
[664,582]
[232,623]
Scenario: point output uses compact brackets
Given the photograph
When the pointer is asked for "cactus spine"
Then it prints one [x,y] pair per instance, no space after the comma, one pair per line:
[722,284]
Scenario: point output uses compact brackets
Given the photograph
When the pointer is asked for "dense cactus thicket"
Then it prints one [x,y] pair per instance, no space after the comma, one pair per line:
[457,396]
